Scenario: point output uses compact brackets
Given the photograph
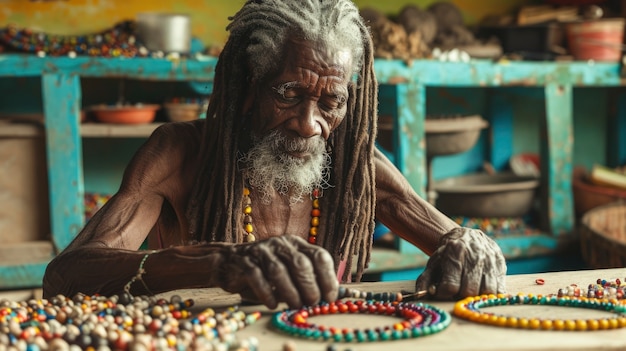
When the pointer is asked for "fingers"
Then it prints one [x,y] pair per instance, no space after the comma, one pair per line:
[258,284]
[450,281]
[288,269]
[325,283]
[468,263]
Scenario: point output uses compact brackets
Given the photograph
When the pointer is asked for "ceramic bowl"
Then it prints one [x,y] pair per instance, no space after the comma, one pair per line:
[182,112]
[125,114]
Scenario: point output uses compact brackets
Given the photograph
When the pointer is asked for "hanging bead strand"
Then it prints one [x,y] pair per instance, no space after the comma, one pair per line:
[247,216]
[315,216]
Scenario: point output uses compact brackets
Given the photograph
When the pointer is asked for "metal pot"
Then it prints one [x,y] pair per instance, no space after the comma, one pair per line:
[166,32]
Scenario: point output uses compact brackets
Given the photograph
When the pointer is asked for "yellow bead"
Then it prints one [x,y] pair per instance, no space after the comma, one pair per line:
[512,322]
[247,210]
[546,324]
[570,325]
[249,228]
[534,323]
[316,203]
[603,324]
[502,321]
[313,231]
[523,323]
[581,324]
[493,319]
[246,191]
[593,324]
[315,221]
[558,324]
[613,323]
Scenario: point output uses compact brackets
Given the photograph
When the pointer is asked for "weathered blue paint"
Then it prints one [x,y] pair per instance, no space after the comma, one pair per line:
[556,159]
[62,96]
[198,69]
[22,276]
[500,117]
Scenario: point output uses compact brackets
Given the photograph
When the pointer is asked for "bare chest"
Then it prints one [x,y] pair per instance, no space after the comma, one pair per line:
[281,218]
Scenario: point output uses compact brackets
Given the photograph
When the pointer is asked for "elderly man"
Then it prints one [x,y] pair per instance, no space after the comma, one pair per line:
[274,195]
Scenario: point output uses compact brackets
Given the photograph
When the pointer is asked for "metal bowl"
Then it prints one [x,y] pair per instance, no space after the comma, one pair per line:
[485,195]
[452,135]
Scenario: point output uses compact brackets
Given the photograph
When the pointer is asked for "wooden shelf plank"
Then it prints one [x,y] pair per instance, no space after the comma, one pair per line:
[102,130]
[20,130]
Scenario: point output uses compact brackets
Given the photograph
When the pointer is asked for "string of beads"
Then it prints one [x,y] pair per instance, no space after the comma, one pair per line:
[419,319]
[470,309]
[120,323]
[248,225]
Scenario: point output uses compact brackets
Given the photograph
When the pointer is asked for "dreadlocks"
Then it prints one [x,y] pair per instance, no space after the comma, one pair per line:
[258,33]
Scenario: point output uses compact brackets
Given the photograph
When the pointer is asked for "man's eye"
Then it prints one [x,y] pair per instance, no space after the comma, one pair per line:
[334,102]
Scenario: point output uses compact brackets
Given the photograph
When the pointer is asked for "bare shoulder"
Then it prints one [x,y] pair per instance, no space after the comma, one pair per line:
[171,152]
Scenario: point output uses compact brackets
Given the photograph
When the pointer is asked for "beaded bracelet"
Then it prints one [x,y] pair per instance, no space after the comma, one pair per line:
[469,309]
[139,276]
[419,320]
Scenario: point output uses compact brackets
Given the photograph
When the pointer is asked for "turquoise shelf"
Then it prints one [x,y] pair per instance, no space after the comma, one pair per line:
[61,93]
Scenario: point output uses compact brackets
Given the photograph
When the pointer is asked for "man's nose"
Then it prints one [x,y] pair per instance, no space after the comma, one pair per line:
[307,123]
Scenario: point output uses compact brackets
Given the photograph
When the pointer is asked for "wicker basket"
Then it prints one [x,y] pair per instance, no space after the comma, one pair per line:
[603,236]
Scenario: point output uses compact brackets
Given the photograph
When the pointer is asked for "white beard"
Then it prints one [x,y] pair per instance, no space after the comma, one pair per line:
[268,167]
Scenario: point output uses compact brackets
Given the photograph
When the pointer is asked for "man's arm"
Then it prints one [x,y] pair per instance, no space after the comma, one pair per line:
[463,261]
[102,257]
[404,212]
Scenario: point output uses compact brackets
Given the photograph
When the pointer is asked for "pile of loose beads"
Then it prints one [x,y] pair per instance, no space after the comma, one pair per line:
[607,289]
[115,42]
[469,309]
[119,323]
[419,320]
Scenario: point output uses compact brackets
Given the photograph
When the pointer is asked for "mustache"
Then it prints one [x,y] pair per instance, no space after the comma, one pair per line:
[297,144]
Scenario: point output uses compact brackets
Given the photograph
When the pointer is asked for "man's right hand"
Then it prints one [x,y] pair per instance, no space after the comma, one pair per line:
[280,269]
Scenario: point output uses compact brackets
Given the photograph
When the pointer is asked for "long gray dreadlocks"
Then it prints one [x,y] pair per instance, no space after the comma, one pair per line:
[253,51]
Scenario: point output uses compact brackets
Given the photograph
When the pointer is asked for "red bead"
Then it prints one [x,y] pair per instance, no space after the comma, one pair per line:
[317,310]
[353,308]
[343,308]
[312,240]
[332,308]
[324,309]
[299,319]
[372,308]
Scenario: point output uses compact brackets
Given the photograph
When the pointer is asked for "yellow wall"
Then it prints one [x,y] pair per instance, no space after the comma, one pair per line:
[209,17]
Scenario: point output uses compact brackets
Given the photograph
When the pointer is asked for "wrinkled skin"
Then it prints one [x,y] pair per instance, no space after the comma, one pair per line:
[305,100]
[467,263]
[285,268]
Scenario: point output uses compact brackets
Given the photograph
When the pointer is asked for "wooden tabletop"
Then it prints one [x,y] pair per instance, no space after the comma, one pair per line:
[461,334]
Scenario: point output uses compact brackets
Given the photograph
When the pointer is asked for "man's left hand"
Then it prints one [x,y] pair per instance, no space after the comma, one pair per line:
[467,263]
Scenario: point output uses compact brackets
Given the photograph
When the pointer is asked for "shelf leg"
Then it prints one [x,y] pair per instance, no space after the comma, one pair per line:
[62,97]
[556,160]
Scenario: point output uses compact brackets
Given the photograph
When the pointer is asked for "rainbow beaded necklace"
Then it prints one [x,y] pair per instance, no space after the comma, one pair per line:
[419,319]
[248,225]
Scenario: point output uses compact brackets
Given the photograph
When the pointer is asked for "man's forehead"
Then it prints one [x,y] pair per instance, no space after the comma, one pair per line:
[319,56]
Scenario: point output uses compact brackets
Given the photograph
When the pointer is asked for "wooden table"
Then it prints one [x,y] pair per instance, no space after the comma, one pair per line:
[461,334]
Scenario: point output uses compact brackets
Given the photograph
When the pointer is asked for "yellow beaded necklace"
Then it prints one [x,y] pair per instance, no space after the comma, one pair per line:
[248,227]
